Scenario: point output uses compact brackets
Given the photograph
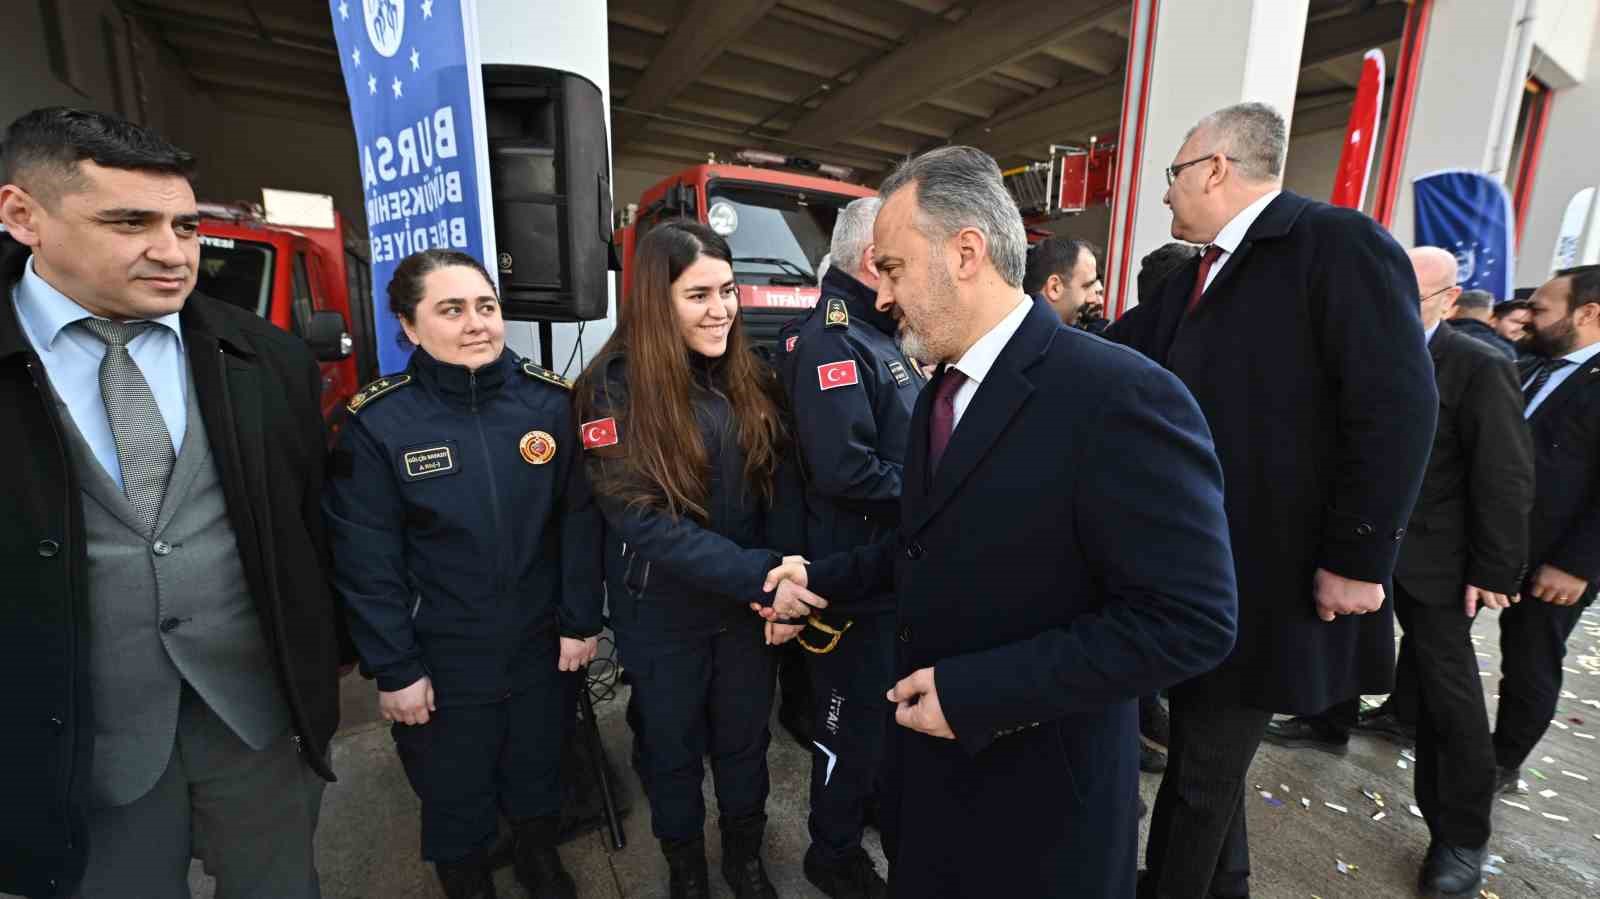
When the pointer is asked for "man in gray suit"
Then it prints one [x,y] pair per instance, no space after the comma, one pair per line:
[173,620]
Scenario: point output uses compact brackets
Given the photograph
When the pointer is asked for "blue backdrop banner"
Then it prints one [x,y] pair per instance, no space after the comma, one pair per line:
[416,98]
[1469,214]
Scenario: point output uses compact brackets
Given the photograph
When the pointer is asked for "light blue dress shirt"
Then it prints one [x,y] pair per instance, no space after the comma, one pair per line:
[71,358]
[1578,358]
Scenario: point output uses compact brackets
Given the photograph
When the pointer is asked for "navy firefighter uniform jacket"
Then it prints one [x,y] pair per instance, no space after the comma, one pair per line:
[465,537]
[852,392]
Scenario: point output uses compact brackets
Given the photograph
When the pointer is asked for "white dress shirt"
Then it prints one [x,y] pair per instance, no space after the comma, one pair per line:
[71,358]
[1232,234]
[1578,358]
[980,357]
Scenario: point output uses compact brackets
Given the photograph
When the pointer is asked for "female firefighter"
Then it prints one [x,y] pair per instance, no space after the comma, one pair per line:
[683,439]
[466,551]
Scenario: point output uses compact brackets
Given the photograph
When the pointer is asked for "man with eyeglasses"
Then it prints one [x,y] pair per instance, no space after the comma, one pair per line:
[1297,330]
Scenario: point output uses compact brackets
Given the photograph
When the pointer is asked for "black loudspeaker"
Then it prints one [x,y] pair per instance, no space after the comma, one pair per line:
[549,173]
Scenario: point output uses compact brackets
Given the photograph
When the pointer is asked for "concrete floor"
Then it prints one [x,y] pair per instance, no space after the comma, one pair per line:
[367,842]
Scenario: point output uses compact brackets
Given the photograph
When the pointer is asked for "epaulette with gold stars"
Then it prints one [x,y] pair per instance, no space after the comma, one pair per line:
[376,389]
[545,375]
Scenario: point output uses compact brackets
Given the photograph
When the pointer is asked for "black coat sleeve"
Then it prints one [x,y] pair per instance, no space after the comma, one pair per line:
[580,612]
[365,515]
[1500,484]
[836,428]
[855,574]
[1148,509]
[1365,305]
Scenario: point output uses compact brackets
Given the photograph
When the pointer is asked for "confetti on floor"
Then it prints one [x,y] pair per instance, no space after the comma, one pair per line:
[1338,808]
[1548,760]
[1416,812]
[1583,736]
[1304,802]
[1537,773]
[1561,818]
[1380,816]
[1549,794]
[1516,805]
[1401,764]
[1576,776]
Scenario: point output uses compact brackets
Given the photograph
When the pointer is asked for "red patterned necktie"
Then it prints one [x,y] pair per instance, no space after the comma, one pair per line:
[942,420]
[1207,259]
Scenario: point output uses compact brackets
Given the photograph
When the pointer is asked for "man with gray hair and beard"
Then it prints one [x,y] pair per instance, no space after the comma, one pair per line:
[1298,331]
[1020,664]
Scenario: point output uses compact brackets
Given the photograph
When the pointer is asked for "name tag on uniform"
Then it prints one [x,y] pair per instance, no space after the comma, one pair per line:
[898,371]
[430,460]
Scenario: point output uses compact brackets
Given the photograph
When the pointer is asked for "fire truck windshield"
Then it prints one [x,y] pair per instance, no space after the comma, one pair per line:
[778,236]
[237,272]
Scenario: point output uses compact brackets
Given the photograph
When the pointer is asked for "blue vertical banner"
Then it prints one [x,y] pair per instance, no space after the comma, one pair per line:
[1469,214]
[412,73]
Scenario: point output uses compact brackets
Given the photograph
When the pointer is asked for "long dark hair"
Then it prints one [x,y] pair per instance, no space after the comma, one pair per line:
[665,462]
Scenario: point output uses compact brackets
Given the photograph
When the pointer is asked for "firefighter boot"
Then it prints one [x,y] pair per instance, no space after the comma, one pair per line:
[537,863]
[741,858]
[467,878]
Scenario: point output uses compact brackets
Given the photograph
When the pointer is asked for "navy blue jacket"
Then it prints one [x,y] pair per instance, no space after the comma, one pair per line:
[852,391]
[681,575]
[1069,555]
[465,539]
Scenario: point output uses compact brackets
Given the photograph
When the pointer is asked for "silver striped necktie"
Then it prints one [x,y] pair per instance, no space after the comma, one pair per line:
[144,447]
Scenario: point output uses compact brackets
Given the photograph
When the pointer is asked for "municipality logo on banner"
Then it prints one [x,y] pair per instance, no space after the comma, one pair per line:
[1469,214]
[416,98]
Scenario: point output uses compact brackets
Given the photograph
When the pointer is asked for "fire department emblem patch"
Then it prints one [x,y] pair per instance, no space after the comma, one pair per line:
[537,447]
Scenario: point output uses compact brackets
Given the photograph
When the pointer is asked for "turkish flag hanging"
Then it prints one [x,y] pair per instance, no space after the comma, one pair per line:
[837,374]
[1360,136]
[602,432]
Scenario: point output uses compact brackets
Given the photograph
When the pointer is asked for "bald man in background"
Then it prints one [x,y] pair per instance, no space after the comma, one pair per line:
[1465,549]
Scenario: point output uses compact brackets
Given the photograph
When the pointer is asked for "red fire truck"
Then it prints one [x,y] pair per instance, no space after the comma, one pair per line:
[310,281]
[775,211]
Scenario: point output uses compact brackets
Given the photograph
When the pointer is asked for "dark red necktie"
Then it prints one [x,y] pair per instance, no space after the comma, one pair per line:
[942,419]
[1207,259]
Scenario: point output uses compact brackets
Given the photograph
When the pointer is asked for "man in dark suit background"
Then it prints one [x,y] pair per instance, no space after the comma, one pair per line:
[172,615]
[1297,331]
[1466,548]
[1473,315]
[1561,388]
[1020,664]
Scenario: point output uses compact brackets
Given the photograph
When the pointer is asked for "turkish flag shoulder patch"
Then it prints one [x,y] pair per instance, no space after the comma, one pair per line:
[600,432]
[837,374]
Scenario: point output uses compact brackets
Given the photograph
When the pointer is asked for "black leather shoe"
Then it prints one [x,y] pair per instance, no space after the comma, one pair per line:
[1508,782]
[855,877]
[686,866]
[1452,871]
[467,878]
[1155,724]
[1151,761]
[537,864]
[1307,733]
[1379,722]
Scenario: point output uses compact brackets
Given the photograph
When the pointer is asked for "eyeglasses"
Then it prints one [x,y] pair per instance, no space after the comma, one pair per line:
[1439,291]
[1173,170]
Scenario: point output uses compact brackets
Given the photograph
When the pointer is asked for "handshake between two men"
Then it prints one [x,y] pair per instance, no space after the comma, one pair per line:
[915,697]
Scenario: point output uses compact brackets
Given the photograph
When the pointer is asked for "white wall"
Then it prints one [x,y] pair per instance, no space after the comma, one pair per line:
[1570,162]
[1562,32]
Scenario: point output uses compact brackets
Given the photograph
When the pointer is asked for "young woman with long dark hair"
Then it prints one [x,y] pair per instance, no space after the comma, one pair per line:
[683,441]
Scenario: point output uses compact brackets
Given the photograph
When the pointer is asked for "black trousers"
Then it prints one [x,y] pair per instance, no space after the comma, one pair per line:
[1198,846]
[1455,774]
[1533,643]
[471,763]
[852,723]
[695,696]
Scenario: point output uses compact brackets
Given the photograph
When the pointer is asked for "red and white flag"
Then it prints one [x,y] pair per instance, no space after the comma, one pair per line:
[602,432]
[837,374]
